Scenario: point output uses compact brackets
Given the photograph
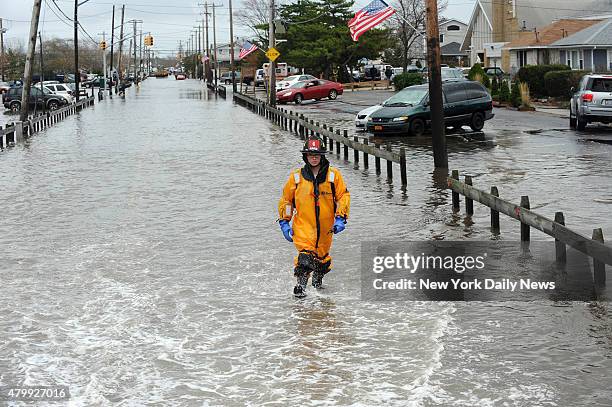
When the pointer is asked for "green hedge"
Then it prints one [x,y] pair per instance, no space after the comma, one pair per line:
[404,80]
[533,75]
[560,83]
[477,69]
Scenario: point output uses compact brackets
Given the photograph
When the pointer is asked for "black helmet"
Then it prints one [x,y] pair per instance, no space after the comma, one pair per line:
[314,145]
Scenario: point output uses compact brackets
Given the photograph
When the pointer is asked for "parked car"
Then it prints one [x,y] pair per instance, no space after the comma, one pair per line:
[97,82]
[315,89]
[290,80]
[259,77]
[361,120]
[465,103]
[12,99]
[592,101]
[465,71]
[61,89]
[226,77]
[492,71]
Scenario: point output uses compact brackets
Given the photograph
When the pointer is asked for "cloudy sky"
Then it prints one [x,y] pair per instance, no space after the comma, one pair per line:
[169,21]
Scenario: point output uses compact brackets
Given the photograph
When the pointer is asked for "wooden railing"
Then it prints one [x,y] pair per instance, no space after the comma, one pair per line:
[14,132]
[303,126]
[564,236]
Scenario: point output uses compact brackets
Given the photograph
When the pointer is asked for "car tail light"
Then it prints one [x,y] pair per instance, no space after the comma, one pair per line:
[587,97]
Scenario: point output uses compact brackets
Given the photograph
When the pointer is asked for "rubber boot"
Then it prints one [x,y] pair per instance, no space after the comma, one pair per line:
[317,280]
[300,288]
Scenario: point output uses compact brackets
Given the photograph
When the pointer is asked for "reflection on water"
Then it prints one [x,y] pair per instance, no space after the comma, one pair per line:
[142,265]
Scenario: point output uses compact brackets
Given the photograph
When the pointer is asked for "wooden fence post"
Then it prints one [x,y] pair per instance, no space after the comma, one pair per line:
[494,213]
[355,151]
[560,249]
[389,164]
[469,204]
[525,229]
[345,146]
[377,160]
[402,163]
[456,207]
[366,164]
[599,268]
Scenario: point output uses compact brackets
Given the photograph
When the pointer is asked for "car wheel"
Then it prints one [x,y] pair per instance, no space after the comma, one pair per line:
[580,124]
[298,99]
[53,105]
[417,127]
[477,122]
[15,107]
[572,123]
[317,99]
[333,94]
[227,82]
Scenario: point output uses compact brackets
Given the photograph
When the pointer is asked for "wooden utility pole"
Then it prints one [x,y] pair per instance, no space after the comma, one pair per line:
[1,51]
[27,72]
[272,43]
[135,36]
[112,41]
[119,73]
[435,86]
[42,75]
[232,48]
[215,45]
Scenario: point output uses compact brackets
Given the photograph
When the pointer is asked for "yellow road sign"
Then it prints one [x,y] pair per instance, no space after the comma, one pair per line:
[272,54]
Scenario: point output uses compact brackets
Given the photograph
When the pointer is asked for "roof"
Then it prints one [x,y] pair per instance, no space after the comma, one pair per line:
[452,20]
[540,13]
[550,33]
[452,48]
[598,34]
[483,7]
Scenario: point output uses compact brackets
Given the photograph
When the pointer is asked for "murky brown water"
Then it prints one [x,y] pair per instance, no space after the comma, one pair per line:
[142,265]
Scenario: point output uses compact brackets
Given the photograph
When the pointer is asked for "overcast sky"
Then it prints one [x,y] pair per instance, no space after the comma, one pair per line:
[170,21]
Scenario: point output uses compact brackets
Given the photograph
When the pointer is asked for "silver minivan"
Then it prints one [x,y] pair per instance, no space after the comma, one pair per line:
[592,101]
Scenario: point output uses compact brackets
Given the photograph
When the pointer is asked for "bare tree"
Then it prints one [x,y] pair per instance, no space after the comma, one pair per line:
[254,15]
[409,26]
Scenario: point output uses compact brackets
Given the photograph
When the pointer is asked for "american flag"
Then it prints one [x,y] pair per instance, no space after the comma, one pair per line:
[246,49]
[368,17]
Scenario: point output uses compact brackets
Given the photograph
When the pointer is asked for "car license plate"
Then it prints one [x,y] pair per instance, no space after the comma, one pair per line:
[607,102]
[378,127]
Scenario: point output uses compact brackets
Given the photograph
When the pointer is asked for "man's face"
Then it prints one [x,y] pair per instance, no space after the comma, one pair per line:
[313,159]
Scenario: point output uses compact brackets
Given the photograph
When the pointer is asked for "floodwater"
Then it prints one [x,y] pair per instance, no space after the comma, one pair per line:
[142,265]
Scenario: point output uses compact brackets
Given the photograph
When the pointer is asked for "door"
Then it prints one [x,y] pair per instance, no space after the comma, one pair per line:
[456,97]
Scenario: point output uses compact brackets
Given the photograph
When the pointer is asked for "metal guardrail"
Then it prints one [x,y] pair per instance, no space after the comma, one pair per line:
[302,126]
[593,247]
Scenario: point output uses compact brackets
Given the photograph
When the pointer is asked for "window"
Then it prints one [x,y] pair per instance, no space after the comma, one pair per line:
[453,28]
[441,38]
[475,91]
[522,58]
[455,92]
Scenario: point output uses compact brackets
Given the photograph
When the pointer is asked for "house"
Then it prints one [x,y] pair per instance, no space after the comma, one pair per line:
[452,33]
[534,48]
[495,22]
[589,49]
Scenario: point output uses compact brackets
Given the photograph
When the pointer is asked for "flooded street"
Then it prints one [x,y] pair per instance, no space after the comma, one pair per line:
[142,265]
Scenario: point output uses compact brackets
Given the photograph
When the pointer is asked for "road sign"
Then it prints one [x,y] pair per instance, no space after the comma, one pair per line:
[272,54]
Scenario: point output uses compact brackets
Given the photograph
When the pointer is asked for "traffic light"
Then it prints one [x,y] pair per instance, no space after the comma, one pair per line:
[148,40]
[102,45]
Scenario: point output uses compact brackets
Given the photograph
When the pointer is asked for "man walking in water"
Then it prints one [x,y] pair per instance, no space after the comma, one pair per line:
[316,197]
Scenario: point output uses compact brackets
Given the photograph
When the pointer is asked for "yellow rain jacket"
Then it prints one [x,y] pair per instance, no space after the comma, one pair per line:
[313,205]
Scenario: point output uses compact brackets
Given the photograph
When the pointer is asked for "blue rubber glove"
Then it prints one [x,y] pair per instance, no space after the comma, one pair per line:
[286,228]
[339,224]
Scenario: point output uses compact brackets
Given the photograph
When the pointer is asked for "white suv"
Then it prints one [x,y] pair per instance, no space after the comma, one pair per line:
[592,101]
[60,89]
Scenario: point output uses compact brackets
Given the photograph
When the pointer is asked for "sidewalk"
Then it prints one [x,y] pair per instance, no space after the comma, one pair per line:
[553,110]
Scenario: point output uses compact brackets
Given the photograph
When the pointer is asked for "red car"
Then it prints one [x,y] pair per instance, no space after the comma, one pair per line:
[316,89]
